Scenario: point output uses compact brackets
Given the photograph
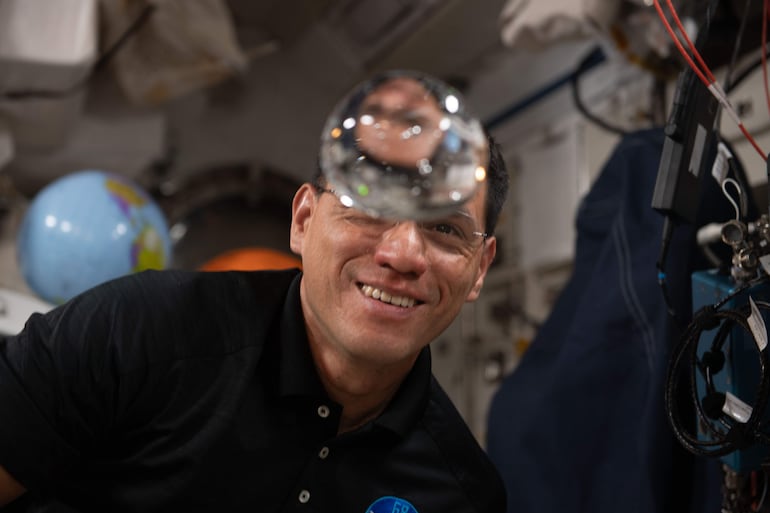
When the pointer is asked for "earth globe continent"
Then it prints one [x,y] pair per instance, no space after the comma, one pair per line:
[86,228]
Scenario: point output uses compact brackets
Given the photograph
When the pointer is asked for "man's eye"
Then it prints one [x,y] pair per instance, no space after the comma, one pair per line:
[445,228]
[411,119]
[354,216]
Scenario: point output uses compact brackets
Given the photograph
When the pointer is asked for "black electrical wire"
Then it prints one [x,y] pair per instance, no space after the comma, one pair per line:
[585,64]
[704,320]
[721,442]
[726,434]
[731,319]
[141,19]
[767,175]
[718,445]
[728,82]
[744,73]
[668,232]
[737,48]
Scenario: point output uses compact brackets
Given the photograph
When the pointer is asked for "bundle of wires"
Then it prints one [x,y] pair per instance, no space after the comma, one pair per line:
[700,71]
[723,430]
[700,68]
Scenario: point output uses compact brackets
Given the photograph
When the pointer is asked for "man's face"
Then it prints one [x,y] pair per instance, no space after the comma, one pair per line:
[398,123]
[350,259]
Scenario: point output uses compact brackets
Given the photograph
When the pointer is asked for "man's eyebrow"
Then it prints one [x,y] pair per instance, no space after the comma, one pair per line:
[463,213]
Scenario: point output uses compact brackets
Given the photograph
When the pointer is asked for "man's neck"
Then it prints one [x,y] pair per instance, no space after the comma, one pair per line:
[363,390]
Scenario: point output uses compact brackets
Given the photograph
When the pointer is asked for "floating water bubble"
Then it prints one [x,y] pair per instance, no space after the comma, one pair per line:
[403,145]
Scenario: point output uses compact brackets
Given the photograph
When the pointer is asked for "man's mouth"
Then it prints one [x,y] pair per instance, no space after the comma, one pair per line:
[405,302]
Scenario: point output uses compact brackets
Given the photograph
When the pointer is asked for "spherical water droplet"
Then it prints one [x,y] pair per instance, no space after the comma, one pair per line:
[403,145]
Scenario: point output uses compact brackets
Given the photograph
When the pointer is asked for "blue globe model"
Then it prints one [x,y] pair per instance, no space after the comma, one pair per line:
[86,228]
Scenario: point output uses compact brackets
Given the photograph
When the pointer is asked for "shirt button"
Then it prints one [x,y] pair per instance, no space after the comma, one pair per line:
[323,453]
[323,411]
[304,496]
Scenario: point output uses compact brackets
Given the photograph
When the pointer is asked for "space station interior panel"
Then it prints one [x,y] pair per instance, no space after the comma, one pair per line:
[569,404]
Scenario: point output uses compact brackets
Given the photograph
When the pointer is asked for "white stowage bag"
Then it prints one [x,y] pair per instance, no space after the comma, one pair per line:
[185,45]
[535,24]
[47,49]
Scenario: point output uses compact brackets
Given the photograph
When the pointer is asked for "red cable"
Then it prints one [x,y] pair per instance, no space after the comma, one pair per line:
[678,44]
[765,5]
[753,142]
[707,81]
[692,46]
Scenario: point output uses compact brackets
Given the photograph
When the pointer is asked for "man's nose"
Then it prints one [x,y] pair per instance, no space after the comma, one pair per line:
[403,248]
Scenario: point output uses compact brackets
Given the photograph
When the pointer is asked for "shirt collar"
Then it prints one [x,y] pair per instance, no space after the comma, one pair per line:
[409,403]
[299,377]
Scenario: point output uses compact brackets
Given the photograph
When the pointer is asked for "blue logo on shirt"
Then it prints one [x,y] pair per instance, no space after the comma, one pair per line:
[391,505]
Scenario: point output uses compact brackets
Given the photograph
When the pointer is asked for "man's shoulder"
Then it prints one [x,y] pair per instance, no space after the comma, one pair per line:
[190,312]
[181,282]
[462,452]
[161,291]
[450,430]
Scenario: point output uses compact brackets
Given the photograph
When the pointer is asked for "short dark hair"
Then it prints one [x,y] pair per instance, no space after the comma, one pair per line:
[497,185]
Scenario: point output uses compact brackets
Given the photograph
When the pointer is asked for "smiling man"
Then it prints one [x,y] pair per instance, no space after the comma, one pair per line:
[259,391]
[376,292]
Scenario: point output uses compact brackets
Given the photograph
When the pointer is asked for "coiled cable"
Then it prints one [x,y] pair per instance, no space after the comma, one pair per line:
[721,432]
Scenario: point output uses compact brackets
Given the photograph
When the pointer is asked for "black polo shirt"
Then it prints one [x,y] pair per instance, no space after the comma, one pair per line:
[196,392]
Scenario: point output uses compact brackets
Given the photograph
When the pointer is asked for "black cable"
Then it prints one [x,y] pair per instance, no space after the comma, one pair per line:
[737,47]
[731,318]
[746,71]
[726,434]
[705,319]
[767,175]
[720,444]
[728,82]
[585,64]
[687,346]
[100,62]
[142,18]
[660,264]
[668,231]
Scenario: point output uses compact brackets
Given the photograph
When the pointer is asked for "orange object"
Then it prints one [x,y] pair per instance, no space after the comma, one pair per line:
[251,259]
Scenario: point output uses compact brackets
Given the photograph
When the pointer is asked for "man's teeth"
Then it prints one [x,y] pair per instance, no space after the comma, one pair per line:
[372,292]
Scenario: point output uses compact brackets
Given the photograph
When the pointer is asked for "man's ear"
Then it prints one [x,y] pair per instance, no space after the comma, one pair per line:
[489,250]
[302,208]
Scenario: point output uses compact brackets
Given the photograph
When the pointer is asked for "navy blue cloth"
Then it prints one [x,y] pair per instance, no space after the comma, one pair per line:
[580,425]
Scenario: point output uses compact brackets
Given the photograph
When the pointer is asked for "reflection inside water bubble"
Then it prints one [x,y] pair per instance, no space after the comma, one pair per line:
[403,145]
